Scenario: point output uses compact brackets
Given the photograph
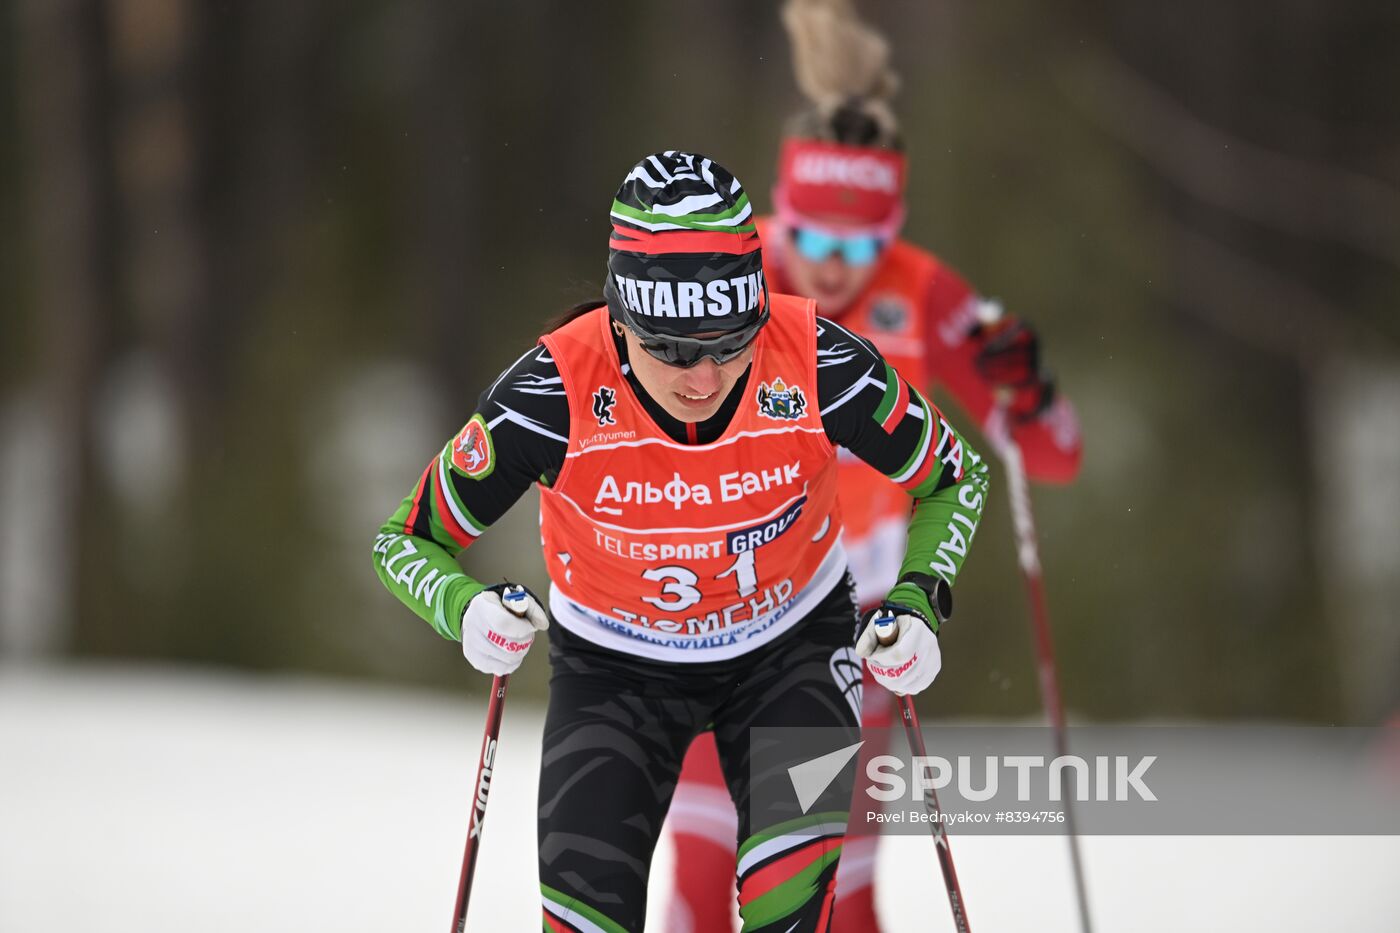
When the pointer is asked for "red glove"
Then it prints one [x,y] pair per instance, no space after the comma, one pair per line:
[1008,358]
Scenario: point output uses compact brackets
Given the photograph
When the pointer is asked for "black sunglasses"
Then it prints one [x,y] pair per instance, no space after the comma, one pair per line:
[686,352]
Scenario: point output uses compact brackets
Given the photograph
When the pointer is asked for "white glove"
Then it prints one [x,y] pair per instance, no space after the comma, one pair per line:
[495,637]
[911,663]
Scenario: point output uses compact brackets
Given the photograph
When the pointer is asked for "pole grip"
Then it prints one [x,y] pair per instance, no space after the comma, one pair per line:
[989,311]
[513,598]
[886,628]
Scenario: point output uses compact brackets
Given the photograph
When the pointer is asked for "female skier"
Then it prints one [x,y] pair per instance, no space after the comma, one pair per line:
[835,238]
[683,435]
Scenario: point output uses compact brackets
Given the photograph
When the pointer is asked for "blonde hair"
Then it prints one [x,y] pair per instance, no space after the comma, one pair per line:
[842,67]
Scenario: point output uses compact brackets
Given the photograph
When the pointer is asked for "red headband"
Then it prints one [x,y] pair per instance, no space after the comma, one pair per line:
[843,185]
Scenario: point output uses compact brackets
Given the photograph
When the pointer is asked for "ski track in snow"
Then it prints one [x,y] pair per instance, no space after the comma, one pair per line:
[159,799]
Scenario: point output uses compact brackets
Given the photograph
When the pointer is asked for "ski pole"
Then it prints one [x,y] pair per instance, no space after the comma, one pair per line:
[514,599]
[886,633]
[1028,556]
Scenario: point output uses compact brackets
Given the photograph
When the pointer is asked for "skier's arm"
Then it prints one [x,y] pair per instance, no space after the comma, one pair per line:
[1047,434]
[868,408]
[471,483]
[421,569]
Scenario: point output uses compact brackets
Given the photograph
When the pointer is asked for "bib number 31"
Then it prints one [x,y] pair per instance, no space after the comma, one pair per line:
[678,583]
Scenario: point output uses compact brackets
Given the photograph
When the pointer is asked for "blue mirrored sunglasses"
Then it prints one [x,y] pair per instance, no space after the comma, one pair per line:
[816,246]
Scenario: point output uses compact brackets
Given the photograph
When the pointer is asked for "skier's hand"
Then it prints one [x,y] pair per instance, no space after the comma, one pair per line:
[497,632]
[1008,358]
[912,661]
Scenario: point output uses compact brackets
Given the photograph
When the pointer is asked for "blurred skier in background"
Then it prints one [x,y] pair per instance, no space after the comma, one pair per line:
[834,237]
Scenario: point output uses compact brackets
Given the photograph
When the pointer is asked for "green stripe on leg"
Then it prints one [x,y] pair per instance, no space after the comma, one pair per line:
[568,903]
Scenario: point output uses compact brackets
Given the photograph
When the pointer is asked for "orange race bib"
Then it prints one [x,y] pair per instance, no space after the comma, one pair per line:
[691,552]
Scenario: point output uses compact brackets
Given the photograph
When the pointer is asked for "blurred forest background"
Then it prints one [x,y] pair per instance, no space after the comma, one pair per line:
[257,260]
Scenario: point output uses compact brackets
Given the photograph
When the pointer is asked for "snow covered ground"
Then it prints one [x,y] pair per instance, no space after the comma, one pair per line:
[158,800]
